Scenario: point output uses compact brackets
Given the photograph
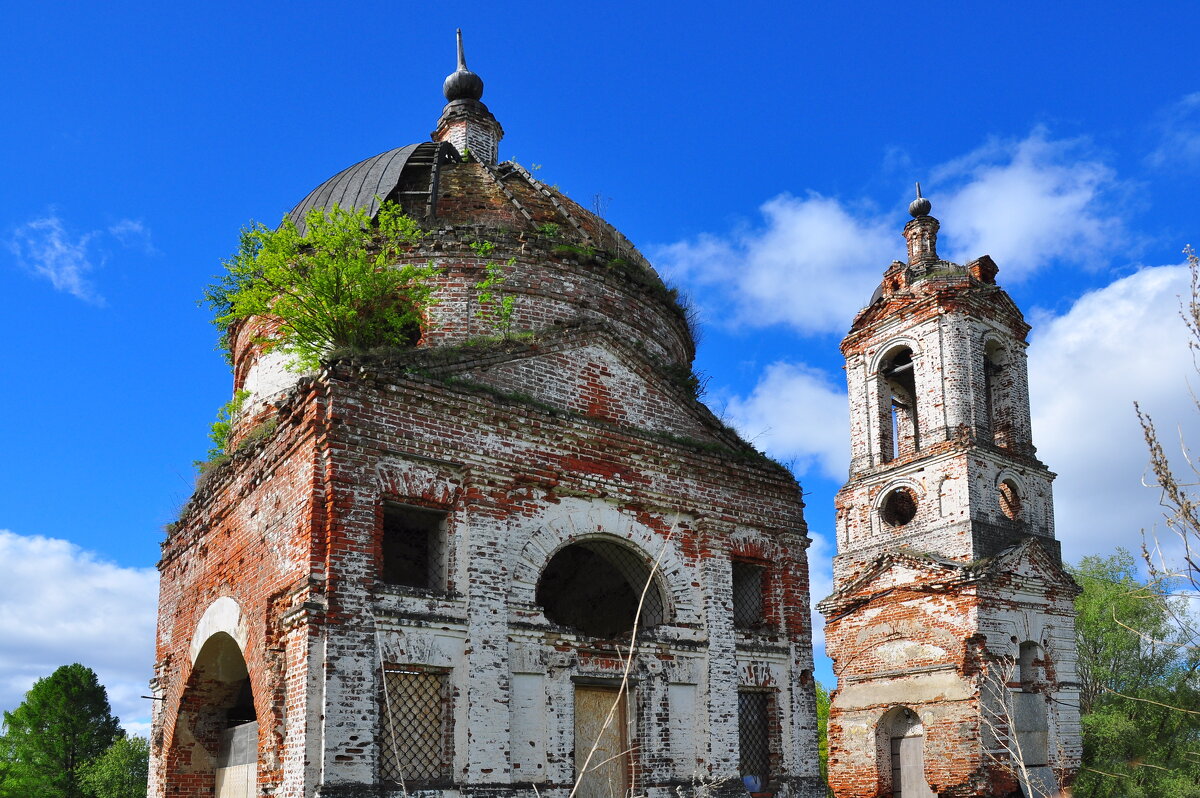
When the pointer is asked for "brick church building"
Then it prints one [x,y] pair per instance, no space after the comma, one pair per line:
[428,576]
[527,560]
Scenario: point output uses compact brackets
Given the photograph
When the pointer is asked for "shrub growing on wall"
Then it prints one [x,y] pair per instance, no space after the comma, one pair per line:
[337,285]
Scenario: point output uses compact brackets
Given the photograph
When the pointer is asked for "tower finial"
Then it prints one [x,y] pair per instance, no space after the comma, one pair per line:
[462,83]
[920,206]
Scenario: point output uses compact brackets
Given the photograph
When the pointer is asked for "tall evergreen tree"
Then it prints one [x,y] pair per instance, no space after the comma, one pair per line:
[64,722]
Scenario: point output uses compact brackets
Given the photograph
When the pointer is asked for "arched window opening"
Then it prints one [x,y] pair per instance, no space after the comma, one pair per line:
[1010,499]
[901,431]
[998,411]
[901,751]
[216,733]
[594,587]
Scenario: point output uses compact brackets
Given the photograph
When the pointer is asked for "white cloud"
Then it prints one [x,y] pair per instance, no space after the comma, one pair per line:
[1118,344]
[61,604]
[811,266]
[813,262]
[1027,203]
[797,413]
[820,585]
[1179,135]
[133,233]
[46,248]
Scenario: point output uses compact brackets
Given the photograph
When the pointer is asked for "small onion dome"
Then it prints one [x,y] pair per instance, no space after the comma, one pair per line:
[462,83]
[920,206]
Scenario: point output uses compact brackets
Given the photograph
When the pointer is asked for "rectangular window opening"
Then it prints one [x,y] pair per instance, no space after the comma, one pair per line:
[754,739]
[747,595]
[416,739]
[414,547]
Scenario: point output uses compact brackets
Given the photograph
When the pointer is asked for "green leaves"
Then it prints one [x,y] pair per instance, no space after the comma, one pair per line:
[496,306]
[64,722]
[1139,691]
[121,771]
[337,285]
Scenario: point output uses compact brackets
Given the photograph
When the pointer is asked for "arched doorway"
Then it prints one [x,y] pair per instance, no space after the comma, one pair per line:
[214,751]
[902,754]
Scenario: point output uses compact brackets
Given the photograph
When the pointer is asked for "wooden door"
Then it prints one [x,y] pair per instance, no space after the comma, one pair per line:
[607,774]
[908,768]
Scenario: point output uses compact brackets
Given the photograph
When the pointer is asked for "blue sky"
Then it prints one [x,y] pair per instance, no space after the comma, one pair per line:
[762,156]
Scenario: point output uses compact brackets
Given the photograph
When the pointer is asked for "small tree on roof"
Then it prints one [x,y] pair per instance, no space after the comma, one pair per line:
[336,285]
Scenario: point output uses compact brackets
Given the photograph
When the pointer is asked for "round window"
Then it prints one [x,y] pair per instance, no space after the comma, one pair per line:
[899,507]
[1010,500]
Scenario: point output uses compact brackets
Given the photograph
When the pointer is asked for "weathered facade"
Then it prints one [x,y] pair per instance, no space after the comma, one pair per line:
[951,625]
[428,575]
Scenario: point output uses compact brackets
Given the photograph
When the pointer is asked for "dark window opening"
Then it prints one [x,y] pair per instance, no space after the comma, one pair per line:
[754,739]
[242,710]
[747,595]
[900,433]
[414,547]
[595,587]
[416,740]
[899,507]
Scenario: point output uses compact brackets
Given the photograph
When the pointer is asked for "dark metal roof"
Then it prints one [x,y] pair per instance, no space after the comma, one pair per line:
[362,185]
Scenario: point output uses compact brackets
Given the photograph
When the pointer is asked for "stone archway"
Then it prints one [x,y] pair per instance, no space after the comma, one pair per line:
[214,750]
[901,745]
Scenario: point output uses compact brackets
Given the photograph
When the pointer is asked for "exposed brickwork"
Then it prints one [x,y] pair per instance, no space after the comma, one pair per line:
[581,428]
[932,604]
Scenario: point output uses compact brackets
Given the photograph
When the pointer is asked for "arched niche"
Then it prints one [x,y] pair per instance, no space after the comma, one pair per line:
[214,749]
[900,739]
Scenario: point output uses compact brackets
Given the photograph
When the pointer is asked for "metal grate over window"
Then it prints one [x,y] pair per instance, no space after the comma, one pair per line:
[415,741]
[747,595]
[594,586]
[754,734]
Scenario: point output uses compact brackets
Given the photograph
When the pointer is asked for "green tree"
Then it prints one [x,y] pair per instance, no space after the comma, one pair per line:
[1139,696]
[64,722]
[823,733]
[336,285]
[121,771]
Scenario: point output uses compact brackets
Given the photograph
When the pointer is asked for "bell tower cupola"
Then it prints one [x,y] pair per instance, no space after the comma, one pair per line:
[466,122]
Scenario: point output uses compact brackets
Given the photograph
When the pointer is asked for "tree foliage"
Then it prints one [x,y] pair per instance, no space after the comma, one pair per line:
[336,286]
[1139,691]
[823,733]
[121,771]
[64,722]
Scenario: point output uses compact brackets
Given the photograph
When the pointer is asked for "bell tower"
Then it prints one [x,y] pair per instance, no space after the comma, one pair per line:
[951,624]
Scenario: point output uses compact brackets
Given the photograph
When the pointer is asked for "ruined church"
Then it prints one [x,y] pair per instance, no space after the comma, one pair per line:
[530,562]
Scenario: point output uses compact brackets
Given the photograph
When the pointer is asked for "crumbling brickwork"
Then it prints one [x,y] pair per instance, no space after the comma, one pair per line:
[537,479]
[948,576]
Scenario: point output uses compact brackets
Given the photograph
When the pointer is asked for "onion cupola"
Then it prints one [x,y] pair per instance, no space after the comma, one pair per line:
[561,265]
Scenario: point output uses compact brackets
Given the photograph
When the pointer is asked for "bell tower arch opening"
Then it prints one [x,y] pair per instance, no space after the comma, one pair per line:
[900,428]
[214,751]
